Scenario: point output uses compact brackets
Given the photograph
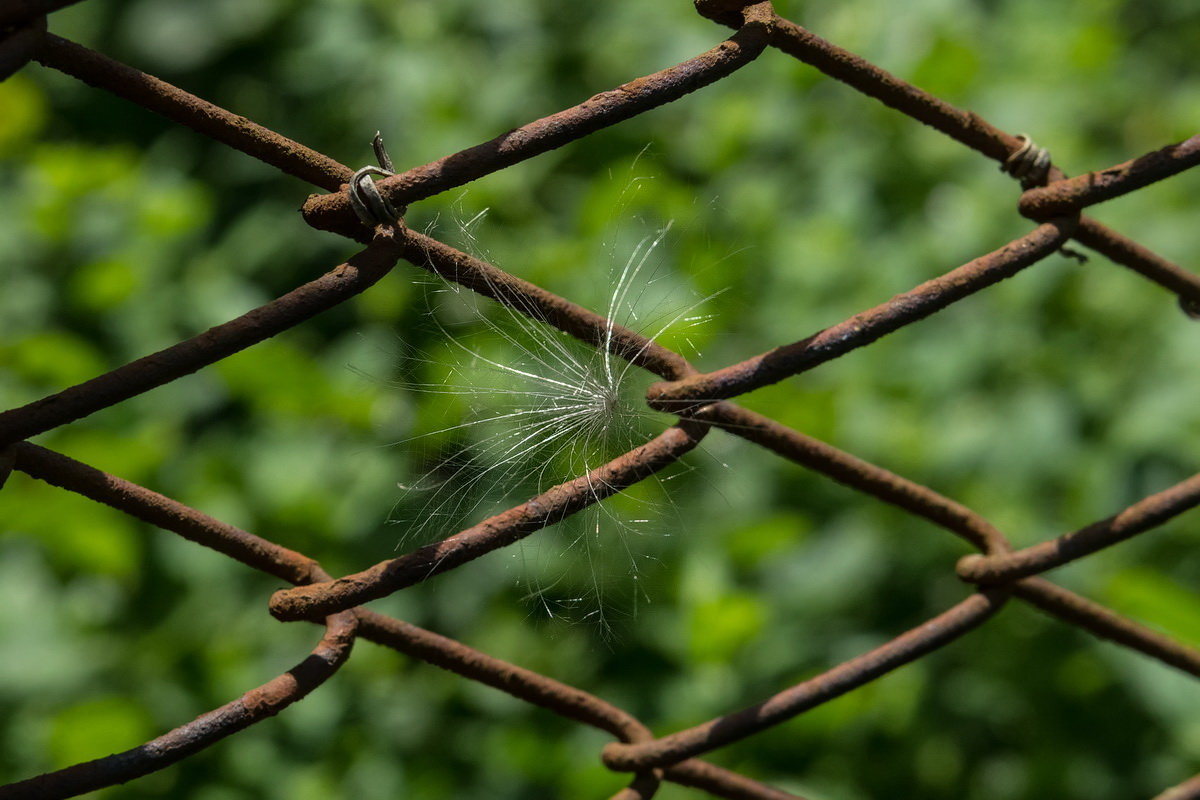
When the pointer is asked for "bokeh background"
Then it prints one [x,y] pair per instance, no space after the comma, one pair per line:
[1045,403]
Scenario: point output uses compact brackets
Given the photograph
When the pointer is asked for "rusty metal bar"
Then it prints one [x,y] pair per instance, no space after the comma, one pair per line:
[1106,624]
[184,358]
[965,127]
[547,693]
[857,474]
[141,503]
[332,212]
[643,786]
[962,126]
[927,637]
[1069,195]
[863,328]
[1147,513]
[539,690]
[96,69]
[204,731]
[542,306]
[315,600]
[1142,260]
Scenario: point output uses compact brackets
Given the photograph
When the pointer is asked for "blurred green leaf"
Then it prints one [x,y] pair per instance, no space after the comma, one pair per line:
[722,625]
[1153,598]
[98,727]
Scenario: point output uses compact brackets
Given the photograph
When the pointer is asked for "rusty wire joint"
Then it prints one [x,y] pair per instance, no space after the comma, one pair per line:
[1030,164]
[371,207]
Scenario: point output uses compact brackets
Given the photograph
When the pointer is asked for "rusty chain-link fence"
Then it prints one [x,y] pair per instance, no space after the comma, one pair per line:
[702,402]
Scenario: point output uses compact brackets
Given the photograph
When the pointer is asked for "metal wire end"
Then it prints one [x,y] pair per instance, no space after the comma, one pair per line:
[381,153]
[1030,164]
[1071,252]
[371,207]
[1190,306]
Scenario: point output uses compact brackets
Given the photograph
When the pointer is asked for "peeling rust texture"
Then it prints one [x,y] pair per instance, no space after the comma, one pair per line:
[701,400]
[857,474]
[163,512]
[1138,258]
[1106,624]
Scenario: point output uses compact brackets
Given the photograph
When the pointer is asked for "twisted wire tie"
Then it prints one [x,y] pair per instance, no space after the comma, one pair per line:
[371,207]
[1030,164]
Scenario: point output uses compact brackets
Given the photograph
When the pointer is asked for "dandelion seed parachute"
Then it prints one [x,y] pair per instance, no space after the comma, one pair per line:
[542,408]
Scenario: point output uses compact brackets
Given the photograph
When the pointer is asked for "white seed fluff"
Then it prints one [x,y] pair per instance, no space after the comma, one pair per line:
[542,408]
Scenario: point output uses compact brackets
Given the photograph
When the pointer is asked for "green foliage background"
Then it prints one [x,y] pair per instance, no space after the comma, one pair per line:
[1045,403]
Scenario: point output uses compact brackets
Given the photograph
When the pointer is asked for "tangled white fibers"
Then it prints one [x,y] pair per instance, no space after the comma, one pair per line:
[523,407]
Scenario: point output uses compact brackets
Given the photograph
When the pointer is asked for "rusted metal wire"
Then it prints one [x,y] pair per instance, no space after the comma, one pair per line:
[1102,622]
[149,372]
[963,126]
[864,328]
[207,729]
[699,399]
[925,638]
[333,212]
[549,507]
[1069,195]
[857,474]
[207,119]
[1140,517]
